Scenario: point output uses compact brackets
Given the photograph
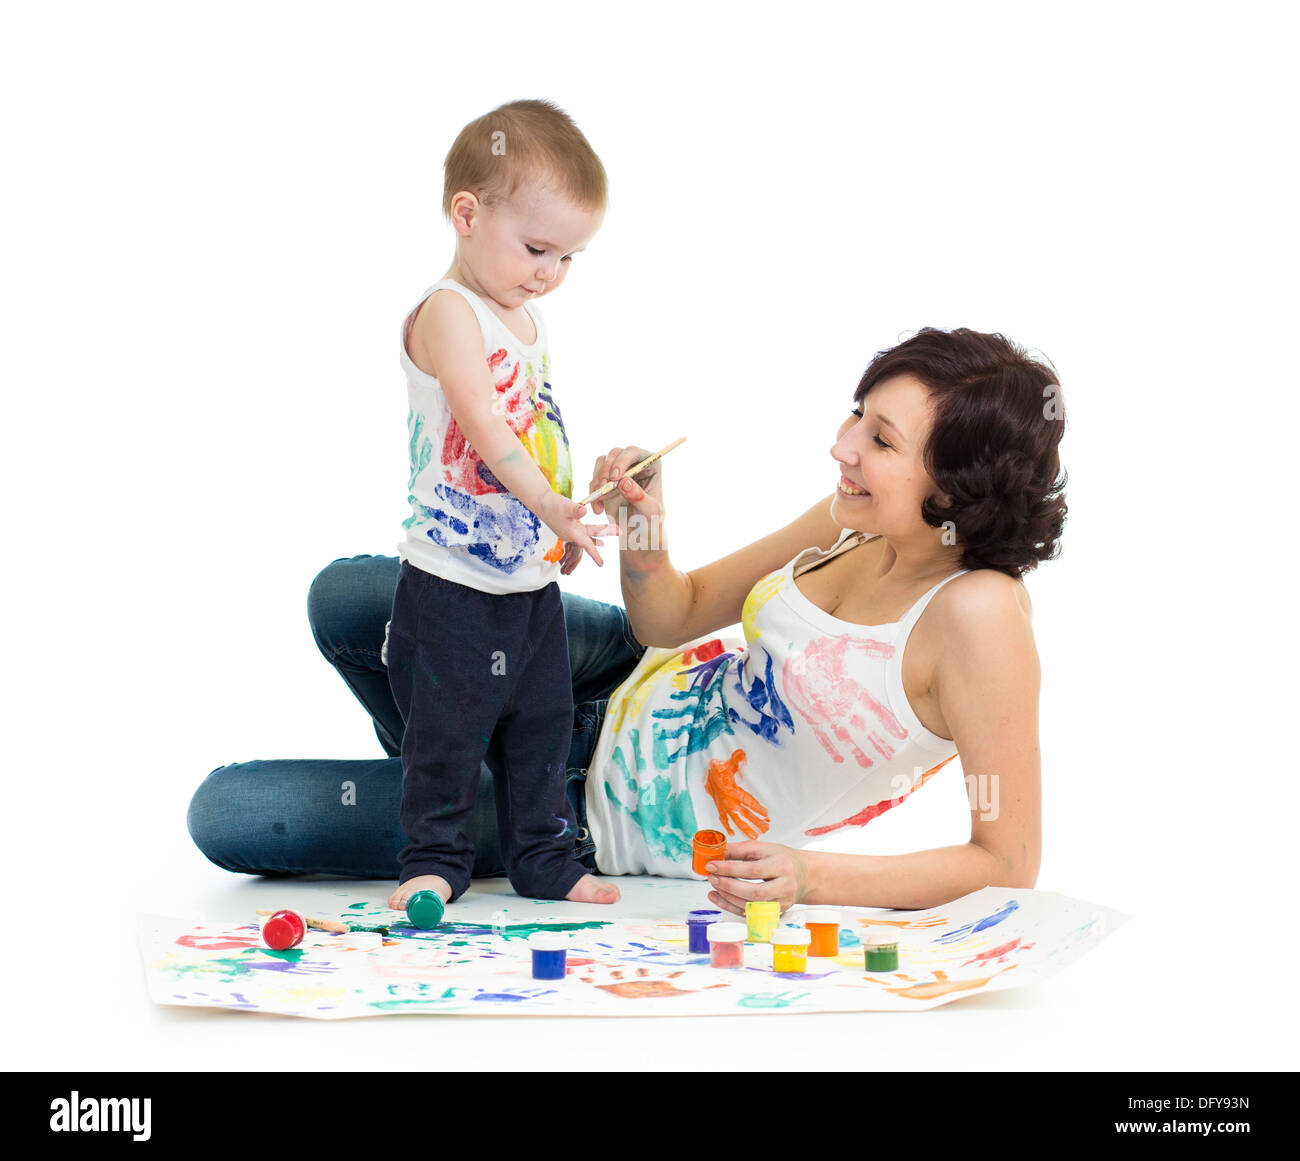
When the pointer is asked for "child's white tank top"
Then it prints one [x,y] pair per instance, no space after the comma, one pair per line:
[464,525]
[802,730]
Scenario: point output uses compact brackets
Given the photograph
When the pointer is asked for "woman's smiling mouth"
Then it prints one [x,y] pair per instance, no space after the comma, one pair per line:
[848,489]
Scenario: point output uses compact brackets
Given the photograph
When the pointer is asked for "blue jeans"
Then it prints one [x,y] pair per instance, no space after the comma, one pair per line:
[307,816]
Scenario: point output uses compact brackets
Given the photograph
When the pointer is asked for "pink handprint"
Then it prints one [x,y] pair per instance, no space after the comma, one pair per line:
[818,685]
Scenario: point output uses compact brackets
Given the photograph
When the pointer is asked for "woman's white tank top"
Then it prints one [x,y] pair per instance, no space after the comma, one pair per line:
[801,730]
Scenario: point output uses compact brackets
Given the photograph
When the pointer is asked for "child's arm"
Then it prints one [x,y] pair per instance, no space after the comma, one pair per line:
[450,332]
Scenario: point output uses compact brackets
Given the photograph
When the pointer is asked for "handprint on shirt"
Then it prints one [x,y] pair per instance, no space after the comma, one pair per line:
[764,700]
[463,468]
[733,803]
[876,809]
[697,715]
[818,684]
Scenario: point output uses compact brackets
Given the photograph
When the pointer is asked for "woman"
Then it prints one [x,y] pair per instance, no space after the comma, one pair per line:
[887,630]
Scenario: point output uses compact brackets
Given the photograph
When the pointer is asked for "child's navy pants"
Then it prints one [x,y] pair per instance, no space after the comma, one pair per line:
[483,676]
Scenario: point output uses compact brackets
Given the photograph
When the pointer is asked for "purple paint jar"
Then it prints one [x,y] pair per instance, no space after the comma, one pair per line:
[550,957]
[697,923]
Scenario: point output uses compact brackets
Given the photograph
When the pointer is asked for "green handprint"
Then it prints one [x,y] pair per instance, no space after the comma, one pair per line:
[770,999]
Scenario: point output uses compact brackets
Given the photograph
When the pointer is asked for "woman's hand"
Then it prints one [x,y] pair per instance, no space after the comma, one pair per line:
[783,872]
[572,555]
[644,493]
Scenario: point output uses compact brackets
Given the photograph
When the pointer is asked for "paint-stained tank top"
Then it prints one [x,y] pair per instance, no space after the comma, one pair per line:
[465,526]
[801,730]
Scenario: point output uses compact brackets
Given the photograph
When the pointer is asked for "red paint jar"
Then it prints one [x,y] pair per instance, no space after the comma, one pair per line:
[706,846]
[283,930]
[726,945]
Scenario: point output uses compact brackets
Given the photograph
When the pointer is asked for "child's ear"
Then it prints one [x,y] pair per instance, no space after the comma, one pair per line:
[464,210]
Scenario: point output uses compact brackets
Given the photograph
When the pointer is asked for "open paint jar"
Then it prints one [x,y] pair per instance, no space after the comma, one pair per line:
[550,954]
[823,925]
[790,949]
[706,846]
[881,951]
[726,945]
[697,930]
[762,918]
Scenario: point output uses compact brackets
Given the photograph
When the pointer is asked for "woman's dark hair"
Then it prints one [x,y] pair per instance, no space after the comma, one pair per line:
[998,418]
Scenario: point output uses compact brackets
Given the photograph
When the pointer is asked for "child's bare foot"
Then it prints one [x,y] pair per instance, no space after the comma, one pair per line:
[589,889]
[397,900]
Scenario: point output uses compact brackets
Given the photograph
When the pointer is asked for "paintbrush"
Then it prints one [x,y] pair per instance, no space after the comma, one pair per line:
[320,924]
[605,489]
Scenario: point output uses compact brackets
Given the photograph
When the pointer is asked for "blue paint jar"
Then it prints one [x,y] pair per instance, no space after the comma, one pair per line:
[697,923]
[550,954]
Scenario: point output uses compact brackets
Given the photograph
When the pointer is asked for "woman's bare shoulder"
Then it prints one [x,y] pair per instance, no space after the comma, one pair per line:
[982,592]
[982,612]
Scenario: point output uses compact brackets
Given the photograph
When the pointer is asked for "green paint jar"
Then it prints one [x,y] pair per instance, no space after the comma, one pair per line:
[425,909]
[881,952]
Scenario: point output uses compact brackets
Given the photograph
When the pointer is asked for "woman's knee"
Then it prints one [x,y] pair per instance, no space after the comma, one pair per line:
[349,602]
[212,817]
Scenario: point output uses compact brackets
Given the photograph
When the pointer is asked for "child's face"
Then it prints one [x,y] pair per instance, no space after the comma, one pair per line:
[522,249]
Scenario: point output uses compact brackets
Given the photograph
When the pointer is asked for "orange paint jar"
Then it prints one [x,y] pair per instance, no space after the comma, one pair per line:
[823,925]
[706,846]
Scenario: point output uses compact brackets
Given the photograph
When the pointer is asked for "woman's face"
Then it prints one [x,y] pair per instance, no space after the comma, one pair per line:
[883,480]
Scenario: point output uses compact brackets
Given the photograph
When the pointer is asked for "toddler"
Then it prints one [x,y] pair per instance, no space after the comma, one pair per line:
[477,653]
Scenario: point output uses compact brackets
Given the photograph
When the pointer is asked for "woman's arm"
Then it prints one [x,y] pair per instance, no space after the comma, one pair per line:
[987,682]
[667,607]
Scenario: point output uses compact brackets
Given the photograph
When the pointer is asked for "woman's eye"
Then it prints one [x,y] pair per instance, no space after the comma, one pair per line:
[856,411]
[880,442]
[533,250]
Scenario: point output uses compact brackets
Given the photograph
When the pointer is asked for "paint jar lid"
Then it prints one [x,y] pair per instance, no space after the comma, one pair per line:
[425,909]
[548,941]
[878,940]
[822,915]
[765,907]
[283,929]
[726,932]
[704,916]
[791,936]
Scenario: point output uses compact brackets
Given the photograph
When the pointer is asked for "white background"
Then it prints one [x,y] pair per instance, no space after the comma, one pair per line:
[216,217]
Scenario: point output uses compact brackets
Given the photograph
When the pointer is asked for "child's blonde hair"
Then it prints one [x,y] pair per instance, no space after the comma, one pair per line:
[493,155]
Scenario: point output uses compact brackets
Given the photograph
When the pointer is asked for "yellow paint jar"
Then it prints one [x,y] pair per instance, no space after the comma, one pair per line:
[790,949]
[761,918]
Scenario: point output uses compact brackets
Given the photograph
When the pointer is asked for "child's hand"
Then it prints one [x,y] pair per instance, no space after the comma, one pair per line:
[563,517]
[572,555]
